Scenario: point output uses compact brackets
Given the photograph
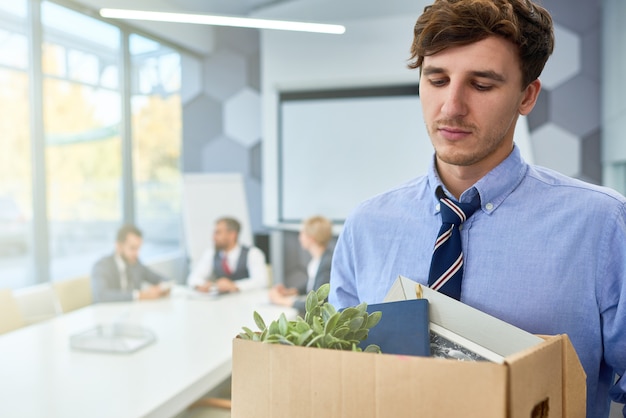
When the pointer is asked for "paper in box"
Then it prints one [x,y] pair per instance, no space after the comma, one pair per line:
[274,381]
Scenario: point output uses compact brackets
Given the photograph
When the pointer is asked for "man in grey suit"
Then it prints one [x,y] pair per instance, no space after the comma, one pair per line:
[121,276]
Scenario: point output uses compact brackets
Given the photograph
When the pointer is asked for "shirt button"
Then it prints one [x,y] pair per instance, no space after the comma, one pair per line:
[461,227]
[489,206]
[438,206]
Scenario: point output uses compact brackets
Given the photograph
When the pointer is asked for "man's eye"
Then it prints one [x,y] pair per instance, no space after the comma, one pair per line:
[437,83]
[482,87]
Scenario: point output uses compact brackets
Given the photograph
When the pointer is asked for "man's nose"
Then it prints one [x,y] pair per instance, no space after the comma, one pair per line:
[454,104]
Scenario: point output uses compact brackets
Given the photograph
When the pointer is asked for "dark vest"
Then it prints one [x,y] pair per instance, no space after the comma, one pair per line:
[241,271]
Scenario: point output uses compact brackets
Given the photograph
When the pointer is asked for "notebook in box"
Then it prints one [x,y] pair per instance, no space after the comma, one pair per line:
[403,328]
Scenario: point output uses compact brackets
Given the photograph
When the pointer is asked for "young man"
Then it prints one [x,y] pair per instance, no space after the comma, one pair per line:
[227,266]
[542,251]
[121,276]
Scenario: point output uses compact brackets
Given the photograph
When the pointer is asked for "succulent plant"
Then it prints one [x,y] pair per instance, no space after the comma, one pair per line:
[322,326]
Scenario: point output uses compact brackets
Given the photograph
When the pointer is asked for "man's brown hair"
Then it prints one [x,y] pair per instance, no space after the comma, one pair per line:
[232,224]
[448,23]
[126,230]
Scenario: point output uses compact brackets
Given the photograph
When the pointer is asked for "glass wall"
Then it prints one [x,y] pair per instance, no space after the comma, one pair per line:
[16,240]
[86,138]
[82,116]
[157,134]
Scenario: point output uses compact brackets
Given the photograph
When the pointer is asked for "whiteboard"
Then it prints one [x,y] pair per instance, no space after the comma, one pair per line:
[206,198]
[336,152]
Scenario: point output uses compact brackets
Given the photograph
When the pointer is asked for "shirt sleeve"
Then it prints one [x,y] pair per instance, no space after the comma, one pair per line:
[343,291]
[150,276]
[202,269]
[612,302]
[257,267]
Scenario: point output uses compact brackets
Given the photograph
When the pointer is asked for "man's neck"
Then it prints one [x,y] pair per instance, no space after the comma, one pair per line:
[459,178]
[229,248]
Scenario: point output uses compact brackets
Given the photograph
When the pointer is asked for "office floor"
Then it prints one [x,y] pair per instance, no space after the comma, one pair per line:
[223,392]
[205,412]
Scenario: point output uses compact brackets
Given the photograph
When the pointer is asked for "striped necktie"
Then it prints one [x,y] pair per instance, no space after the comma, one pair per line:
[446,267]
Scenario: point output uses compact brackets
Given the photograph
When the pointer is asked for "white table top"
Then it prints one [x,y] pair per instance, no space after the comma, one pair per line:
[42,376]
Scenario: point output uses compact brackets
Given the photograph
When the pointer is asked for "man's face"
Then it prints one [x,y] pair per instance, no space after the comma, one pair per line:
[223,238]
[471,98]
[129,249]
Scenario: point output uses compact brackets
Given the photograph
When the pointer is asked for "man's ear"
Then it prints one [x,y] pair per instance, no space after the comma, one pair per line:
[531,93]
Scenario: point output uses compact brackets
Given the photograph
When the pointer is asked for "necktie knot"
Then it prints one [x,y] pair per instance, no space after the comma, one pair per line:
[455,212]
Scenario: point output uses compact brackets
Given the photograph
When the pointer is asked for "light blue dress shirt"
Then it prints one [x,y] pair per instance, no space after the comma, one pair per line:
[546,253]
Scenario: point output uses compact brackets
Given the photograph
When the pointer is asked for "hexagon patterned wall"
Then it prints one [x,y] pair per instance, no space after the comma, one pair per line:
[222,118]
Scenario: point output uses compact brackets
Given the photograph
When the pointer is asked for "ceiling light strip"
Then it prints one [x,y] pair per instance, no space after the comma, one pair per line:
[203,19]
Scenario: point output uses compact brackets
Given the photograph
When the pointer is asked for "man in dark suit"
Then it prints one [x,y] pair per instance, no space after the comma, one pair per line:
[121,276]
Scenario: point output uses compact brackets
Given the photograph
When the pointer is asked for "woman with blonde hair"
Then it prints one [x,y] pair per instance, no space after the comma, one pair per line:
[315,236]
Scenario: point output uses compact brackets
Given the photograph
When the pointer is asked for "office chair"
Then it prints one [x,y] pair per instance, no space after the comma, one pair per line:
[73,294]
[10,315]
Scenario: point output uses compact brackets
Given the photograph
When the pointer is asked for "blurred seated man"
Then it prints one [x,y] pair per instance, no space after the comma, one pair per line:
[314,237]
[121,276]
[228,266]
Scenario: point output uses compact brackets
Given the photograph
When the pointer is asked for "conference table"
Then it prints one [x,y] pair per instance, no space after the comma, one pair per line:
[42,375]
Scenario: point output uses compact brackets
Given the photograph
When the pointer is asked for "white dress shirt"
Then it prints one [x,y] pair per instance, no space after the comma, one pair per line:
[257,268]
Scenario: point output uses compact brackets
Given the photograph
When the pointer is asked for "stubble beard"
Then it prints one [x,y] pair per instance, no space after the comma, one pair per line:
[461,157]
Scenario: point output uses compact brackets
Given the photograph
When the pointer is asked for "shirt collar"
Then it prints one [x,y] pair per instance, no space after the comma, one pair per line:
[119,262]
[493,188]
[232,254]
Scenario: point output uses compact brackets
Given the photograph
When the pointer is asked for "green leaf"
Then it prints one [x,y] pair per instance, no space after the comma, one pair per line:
[302,326]
[373,319]
[314,340]
[273,329]
[249,333]
[341,332]
[355,323]
[347,314]
[259,321]
[323,291]
[317,325]
[301,340]
[311,301]
[282,324]
[360,334]
[362,307]
[331,323]
[372,348]
[330,308]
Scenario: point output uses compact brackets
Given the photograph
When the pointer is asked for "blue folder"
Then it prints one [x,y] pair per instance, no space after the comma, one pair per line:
[403,328]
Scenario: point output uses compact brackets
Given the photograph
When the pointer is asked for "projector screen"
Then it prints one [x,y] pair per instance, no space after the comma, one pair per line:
[338,148]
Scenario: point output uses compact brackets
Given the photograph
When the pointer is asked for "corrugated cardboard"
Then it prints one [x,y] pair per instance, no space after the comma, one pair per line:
[277,381]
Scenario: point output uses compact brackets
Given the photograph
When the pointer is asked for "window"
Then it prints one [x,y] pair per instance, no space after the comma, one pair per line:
[15,159]
[81,133]
[157,134]
[82,117]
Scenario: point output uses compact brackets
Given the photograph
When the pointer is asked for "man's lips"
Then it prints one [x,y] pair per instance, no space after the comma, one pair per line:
[453,133]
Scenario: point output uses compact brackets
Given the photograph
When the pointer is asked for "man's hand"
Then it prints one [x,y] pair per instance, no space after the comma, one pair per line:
[278,297]
[153,292]
[225,285]
[204,287]
[281,290]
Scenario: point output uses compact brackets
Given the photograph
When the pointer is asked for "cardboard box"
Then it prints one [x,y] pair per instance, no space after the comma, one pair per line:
[277,381]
